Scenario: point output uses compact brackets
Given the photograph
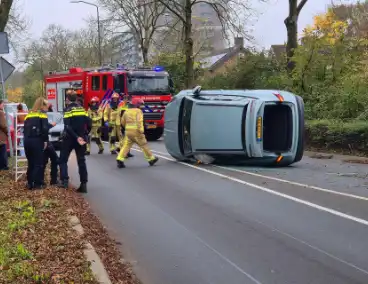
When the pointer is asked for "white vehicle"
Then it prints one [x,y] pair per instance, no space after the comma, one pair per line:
[56,132]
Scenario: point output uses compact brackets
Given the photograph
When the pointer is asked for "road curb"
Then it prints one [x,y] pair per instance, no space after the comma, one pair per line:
[97,267]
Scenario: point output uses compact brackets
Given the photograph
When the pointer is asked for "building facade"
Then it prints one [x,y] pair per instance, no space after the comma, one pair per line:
[207,30]
[127,50]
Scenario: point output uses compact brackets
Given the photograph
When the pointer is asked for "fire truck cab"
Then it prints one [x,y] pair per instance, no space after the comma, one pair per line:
[152,84]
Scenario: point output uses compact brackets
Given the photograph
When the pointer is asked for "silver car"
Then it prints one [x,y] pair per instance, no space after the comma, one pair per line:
[258,127]
[56,132]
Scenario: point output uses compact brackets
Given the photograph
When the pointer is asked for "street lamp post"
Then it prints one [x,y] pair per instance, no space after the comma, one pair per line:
[98,27]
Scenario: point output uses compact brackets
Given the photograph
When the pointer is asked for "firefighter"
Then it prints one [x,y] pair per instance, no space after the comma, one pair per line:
[123,106]
[110,113]
[36,136]
[77,126]
[132,121]
[96,116]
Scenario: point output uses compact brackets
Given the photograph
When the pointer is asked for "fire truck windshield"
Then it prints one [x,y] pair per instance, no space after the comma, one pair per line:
[148,84]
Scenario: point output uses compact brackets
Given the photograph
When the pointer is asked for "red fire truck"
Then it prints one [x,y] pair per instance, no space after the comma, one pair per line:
[153,85]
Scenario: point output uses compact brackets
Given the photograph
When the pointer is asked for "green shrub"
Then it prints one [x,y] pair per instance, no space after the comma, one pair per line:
[333,135]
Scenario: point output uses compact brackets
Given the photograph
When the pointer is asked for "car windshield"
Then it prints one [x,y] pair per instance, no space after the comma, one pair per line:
[55,117]
[148,84]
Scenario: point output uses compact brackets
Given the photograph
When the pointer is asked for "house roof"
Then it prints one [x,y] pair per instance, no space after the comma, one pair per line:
[279,50]
[214,61]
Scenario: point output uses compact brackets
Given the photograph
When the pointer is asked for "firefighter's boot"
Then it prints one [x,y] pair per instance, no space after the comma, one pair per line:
[120,164]
[130,155]
[153,161]
[100,151]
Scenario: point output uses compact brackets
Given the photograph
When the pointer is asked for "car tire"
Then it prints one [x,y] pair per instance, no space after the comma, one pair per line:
[301,141]
[154,135]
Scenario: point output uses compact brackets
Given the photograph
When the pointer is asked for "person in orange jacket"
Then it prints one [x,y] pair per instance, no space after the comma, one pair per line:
[132,121]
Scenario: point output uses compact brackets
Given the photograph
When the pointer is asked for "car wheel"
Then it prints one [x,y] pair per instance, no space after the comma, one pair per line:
[301,140]
[154,135]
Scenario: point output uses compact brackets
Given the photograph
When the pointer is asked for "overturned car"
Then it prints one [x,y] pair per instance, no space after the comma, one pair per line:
[255,127]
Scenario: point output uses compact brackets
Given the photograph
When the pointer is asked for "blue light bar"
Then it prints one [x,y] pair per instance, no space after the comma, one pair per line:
[158,68]
[120,67]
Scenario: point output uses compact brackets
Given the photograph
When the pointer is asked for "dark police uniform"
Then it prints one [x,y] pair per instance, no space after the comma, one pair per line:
[51,154]
[36,133]
[76,124]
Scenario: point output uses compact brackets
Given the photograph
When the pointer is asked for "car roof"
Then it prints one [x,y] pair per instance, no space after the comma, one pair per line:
[255,94]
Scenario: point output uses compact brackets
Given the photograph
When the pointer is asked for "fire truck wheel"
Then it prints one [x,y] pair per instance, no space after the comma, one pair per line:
[154,135]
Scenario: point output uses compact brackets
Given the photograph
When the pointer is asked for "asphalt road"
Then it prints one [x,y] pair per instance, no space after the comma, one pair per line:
[182,224]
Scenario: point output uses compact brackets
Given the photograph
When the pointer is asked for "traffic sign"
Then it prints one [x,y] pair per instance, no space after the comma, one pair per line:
[7,68]
[4,43]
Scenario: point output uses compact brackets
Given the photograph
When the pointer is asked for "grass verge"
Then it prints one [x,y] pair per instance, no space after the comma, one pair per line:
[337,136]
[37,244]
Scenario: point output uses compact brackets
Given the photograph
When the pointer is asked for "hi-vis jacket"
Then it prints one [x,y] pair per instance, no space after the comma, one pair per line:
[110,114]
[95,116]
[133,120]
[123,106]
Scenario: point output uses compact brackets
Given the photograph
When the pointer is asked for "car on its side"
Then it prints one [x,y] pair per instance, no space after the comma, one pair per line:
[56,132]
[255,127]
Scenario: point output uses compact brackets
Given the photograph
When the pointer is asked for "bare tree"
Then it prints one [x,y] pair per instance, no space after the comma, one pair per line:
[13,22]
[229,12]
[291,23]
[141,17]
[5,7]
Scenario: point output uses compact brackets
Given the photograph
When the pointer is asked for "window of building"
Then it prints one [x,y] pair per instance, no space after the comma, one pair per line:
[104,82]
[95,83]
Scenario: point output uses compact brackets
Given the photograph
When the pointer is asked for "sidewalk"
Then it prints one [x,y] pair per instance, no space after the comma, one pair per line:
[39,245]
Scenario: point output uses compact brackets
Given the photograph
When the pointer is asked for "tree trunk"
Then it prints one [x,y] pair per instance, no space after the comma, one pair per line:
[145,55]
[5,7]
[188,45]
[291,23]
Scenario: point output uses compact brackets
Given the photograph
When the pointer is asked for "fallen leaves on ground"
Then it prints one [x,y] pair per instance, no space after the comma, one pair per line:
[37,244]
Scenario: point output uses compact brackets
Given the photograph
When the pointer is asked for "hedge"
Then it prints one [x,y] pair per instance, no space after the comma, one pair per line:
[346,137]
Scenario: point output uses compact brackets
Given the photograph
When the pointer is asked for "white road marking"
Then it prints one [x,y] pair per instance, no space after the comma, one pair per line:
[265,189]
[295,183]
[318,207]
[285,181]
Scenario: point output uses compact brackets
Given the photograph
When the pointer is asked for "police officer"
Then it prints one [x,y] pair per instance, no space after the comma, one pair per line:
[132,121]
[110,113]
[96,116]
[123,106]
[77,128]
[51,154]
[36,136]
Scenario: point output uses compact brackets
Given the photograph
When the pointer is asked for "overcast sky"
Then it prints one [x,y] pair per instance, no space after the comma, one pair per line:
[269,28]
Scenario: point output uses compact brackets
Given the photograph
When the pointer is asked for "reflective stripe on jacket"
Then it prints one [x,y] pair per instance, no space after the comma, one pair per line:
[133,119]
[95,116]
[110,114]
